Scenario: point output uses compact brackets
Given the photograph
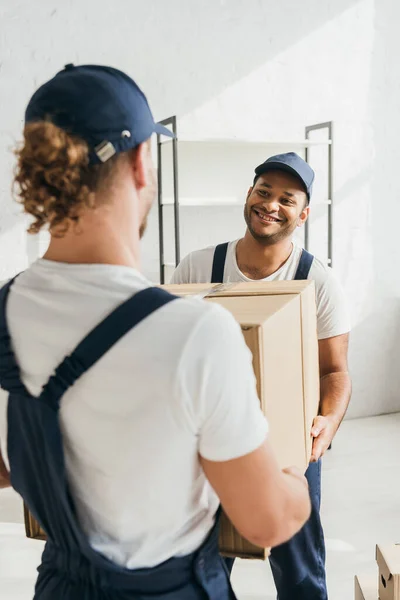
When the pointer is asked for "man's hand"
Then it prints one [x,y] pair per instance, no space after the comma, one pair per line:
[4,482]
[4,475]
[323,431]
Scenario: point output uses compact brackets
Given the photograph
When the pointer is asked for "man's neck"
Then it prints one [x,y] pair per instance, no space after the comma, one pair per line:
[74,254]
[258,261]
[96,241]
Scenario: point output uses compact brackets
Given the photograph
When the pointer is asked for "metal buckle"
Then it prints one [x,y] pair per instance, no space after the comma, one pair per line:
[105,151]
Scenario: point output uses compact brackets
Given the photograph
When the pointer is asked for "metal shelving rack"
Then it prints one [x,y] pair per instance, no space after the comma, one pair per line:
[305,145]
[171,122]
[318,127]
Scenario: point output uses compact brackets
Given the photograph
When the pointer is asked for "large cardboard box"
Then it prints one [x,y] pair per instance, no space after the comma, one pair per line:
[278,321]
[366,587]
[32,527]
[388,559]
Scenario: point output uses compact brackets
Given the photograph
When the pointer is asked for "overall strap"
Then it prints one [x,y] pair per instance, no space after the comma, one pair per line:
[303,269]
[10,378]
[124,318]
[217,275]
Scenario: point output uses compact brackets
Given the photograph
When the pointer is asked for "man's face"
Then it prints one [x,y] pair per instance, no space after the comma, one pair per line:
[148,193]
[275,206]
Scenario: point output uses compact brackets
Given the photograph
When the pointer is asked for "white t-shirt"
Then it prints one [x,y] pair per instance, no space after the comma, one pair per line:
[332,313]
[179,384]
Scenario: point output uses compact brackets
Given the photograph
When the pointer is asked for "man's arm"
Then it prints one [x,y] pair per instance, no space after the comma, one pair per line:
[266,505]
[335,392]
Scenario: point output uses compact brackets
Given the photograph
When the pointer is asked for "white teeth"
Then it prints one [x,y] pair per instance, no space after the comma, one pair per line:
[265,218]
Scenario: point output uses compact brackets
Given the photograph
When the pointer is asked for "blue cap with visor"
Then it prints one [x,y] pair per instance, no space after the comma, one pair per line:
[101,105]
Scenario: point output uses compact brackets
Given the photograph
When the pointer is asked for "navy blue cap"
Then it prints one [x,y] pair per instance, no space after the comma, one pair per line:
[102,105]
[291,163]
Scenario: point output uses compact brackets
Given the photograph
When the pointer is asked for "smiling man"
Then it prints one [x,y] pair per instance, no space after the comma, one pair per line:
[276,204]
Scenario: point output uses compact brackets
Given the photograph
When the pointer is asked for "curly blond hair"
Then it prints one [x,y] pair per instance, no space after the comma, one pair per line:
[53,180]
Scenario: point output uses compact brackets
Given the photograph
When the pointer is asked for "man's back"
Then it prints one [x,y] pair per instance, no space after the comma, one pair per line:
[140,498]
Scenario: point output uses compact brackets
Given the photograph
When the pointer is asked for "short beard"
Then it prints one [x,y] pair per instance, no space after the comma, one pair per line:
[142,228]
[268,239]
[147,198]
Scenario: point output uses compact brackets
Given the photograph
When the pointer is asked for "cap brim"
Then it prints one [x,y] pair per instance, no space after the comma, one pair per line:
[161,130]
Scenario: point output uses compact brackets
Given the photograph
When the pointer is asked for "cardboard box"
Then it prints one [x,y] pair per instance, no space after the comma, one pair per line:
[388,559]
[278,320]
[366,587]
[32,527]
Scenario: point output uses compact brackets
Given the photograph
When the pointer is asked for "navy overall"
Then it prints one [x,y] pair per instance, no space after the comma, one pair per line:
[298,566]
[71,569]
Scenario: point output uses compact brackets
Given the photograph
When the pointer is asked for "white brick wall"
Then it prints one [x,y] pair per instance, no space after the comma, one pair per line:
[254,67]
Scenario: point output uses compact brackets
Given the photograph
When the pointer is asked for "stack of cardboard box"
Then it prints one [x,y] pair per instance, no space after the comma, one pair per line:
[278,322]
[366,588]
[386,586]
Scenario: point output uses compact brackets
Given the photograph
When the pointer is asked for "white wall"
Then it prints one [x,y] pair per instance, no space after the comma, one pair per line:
[257,68]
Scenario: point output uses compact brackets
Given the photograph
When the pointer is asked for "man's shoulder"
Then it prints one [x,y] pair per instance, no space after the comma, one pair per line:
[332,311]
[327,283]
[201,324]
[196,267]
[207,254]
[201,256]
[320,272]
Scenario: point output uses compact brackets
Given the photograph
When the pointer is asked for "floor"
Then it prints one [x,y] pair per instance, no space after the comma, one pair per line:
[361,506]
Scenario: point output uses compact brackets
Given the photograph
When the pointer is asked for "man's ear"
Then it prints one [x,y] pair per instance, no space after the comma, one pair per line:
[303,216]
[140,160]
[249,192]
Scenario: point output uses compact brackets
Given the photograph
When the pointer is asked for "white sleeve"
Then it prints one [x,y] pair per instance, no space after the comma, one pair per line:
[332,311]
[182,272]
[218,377]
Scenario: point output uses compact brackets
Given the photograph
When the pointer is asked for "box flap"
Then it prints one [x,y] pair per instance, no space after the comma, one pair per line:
[254,310]
[388,559]
[366,587]
[249,309]
[257,288]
